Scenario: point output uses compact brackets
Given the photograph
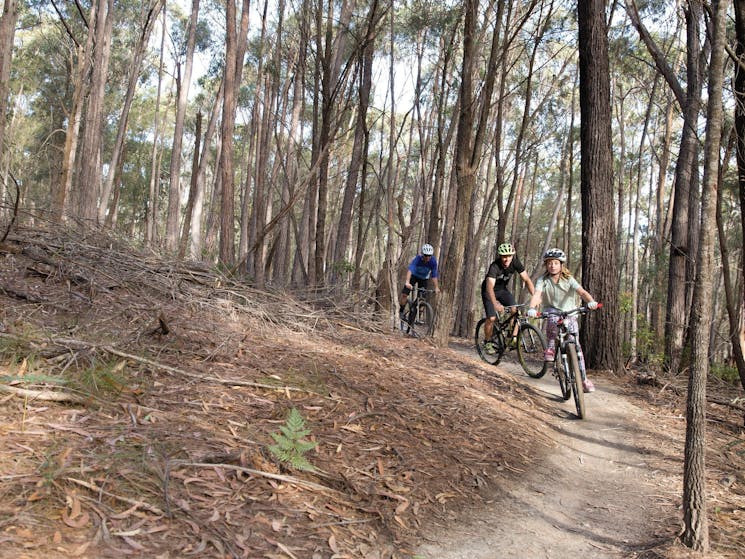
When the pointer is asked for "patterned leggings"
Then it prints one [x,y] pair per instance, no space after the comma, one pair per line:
[552,332]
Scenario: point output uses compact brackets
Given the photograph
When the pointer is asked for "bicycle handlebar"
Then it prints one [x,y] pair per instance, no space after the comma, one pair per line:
[584,309]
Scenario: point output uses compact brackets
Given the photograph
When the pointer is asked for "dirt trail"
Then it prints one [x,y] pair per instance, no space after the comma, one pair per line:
[603,491]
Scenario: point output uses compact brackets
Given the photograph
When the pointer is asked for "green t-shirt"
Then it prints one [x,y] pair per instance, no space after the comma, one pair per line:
[561,295]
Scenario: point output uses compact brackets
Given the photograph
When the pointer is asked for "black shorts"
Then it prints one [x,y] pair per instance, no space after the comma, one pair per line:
[503,295]
[414,281]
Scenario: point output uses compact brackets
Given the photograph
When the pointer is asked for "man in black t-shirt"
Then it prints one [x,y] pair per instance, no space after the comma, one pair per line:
[494,291]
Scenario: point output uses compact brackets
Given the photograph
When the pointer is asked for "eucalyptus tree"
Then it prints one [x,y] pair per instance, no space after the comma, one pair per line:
[736,311]
[695,519]
[599,245]
[236,37]
[182,89]
[7,33]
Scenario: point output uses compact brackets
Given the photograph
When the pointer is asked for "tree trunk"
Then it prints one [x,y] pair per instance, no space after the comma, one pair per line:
[599,247]
[7,34]
[174,189]
[235,47]
[696,529]
[737,330]
[151,209]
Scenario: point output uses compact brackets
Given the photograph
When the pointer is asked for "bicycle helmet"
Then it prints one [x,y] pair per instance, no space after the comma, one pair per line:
[505,249]
[427,249]
[555,254]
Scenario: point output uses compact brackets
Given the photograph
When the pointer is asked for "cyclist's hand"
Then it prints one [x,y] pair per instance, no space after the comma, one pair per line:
[409,285]
[592,305]
[500,308]
[437,290]
[532,313]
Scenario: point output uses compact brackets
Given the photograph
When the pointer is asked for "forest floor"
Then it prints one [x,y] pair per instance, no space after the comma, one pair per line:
[140,397]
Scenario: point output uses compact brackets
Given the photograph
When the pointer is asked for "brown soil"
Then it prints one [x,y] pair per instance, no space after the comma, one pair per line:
[140,396]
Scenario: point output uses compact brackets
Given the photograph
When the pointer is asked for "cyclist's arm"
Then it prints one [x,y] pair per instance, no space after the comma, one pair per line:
[407,281]
[436,283]
[586,297]
[535,300]
[526,278]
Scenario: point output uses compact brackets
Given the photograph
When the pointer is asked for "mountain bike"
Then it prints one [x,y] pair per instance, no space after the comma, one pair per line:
[418,316]
[566,362]
[529,341]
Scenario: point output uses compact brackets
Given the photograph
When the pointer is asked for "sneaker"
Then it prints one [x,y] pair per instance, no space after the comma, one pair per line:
[489,348]
[587,386]
[512,342]
[548,355]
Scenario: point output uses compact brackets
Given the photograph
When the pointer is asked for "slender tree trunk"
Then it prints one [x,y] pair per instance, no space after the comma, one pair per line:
[174,189]
[151,210]
[737,329]
[235,45]
[696,528]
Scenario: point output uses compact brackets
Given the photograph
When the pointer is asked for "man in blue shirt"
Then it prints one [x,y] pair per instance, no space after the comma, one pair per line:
[421,269]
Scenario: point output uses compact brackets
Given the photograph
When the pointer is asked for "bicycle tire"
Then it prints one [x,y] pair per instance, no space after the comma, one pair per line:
[491,358]
[530,348]
[406,319]
[579,393]
[423,319]
[561,376]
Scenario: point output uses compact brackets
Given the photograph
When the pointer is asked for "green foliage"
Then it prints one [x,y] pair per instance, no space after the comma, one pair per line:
[290,447]
[727,373]
[625,302]
[343,267]
[649,344]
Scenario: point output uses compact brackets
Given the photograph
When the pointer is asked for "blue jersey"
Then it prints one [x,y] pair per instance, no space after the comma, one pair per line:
[422,269]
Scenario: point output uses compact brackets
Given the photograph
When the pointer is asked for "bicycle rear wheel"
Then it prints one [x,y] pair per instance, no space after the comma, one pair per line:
[491,356]
[561,375]
[530,348]
[579,393]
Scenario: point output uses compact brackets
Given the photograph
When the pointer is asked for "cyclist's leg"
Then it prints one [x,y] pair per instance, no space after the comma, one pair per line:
[507,299]
[552,331]
[491,315]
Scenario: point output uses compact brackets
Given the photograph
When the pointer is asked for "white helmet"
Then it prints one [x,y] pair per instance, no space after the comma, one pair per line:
[427,249]
[555,254]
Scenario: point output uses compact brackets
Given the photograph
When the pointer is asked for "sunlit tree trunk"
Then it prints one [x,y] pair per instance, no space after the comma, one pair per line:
[151,208]
[89,183]
[235,48]
[174,189]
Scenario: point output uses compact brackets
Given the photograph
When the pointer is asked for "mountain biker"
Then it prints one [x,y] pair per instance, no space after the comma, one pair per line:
[560,289]
[421,269]
[494,292]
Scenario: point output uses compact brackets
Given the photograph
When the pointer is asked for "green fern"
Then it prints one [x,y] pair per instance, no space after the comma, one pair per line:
[290,446]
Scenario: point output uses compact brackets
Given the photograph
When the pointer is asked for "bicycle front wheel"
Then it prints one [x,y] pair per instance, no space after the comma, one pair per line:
[421,319]
[491,355]
[530,348]
[561,375]
[579,393]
